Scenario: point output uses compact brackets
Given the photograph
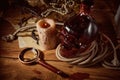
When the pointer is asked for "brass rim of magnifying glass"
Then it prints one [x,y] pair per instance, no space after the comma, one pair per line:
[21,56]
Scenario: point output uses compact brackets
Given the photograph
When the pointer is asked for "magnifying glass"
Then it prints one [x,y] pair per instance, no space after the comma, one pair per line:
[32,55]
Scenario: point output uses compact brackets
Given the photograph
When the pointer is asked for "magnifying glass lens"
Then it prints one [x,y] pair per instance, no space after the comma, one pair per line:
[29,56]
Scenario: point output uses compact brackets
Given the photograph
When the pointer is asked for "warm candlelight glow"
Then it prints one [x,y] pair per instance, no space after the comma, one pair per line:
[44,24]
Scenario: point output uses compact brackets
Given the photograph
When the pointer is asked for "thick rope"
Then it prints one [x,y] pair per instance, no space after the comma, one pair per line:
[97,52]
[11,37]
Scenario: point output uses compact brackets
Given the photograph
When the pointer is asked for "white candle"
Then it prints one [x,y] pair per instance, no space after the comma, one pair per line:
[47,34]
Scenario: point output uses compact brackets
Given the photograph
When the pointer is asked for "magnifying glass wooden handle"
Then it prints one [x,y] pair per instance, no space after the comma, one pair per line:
[40,59]
[53,69]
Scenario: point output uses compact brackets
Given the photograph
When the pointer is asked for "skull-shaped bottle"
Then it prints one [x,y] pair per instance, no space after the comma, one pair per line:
[78,31]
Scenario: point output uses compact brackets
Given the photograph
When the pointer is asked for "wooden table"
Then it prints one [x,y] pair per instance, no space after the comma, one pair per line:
[12,69]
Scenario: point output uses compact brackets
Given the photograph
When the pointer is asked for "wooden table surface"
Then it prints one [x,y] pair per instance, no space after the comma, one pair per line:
[12,69]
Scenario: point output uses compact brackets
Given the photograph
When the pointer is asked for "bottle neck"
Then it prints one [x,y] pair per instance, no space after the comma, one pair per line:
[84,9]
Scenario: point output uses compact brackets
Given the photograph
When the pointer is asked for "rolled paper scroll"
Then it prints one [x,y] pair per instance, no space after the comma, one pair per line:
[47,34]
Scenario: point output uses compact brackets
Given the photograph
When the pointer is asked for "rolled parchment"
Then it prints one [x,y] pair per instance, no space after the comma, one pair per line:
[47,34]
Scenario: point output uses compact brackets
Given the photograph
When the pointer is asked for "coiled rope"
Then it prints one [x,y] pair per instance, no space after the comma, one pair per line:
[97,52]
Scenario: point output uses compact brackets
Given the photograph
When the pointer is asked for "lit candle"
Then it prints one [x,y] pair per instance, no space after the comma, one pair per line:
[47,34]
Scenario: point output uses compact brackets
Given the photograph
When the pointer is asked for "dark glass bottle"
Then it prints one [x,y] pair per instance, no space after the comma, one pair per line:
[78,32]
